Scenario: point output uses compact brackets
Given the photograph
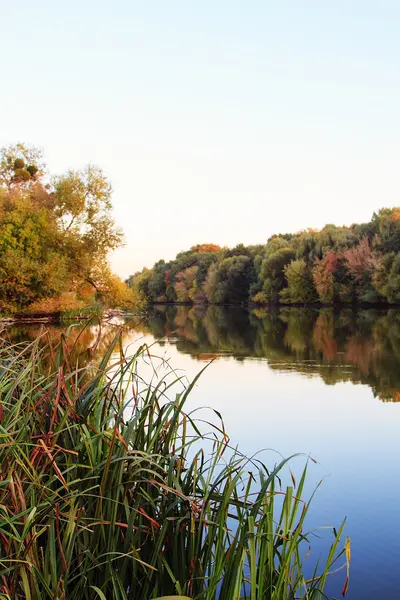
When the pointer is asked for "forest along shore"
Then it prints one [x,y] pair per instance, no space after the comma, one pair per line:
[337,265]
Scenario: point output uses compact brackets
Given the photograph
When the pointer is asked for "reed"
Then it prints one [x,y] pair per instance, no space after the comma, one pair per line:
[111,489]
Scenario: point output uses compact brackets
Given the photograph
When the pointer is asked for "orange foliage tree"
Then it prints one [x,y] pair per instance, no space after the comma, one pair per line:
[323,276]
[202,248]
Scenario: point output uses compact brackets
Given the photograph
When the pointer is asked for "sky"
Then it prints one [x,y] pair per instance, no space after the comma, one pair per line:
[220,121]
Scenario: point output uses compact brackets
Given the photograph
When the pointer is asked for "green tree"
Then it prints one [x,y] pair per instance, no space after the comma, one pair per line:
[140,282]
[233,277]
[211,283]
[386,278]
[300,287]
[31,264]
[53,236]
[387,224]
[272,272]
[82,204]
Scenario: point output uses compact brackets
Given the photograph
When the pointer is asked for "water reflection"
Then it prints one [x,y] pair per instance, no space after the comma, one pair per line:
[85,342]
[359,346]
[266,405]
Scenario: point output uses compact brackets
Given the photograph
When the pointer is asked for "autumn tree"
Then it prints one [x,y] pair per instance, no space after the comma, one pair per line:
[323,276]
[31,262]
[361,262]
[21,166]
[185,288]
[82,204]
[55,233]
[204,248]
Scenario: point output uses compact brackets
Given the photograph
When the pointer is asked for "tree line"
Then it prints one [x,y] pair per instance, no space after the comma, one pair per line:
[335,265]
[55,234]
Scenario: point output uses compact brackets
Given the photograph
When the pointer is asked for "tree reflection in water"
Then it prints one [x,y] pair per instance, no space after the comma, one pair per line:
[360,346]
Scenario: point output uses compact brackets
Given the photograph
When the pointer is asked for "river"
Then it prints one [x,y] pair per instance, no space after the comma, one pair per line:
[323,383]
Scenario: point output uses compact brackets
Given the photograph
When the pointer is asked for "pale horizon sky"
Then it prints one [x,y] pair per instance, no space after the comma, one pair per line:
[219,121]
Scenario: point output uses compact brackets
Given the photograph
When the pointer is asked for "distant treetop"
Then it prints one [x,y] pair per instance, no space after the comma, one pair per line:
[206,248]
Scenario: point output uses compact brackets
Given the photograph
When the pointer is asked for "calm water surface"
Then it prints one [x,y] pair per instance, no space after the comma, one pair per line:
[299,380]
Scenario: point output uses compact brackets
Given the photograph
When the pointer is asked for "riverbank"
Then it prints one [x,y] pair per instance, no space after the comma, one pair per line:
[54,318]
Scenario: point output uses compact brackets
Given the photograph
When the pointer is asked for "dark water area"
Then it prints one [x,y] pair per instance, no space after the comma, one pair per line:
[319,382]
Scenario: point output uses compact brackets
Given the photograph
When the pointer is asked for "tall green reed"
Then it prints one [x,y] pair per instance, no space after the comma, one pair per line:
[106,490]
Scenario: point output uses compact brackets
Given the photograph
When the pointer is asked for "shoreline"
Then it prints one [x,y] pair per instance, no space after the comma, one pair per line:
[272,306]
[57,318]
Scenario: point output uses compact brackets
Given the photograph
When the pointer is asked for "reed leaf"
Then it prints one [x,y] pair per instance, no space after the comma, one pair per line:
[107,491]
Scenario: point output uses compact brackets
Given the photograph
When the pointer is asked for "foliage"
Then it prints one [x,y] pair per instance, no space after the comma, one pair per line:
[361,263]
[110,490]
[20,166]
[66,301]
[386,224]
[389,282]
[54,237]
[31,264]
[114,293]
[336,265]
[185,284]
[202,248]
[233,276]
[272,271]
[300,287]
[323,275]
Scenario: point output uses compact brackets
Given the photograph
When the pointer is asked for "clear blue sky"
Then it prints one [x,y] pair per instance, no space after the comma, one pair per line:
[218,120]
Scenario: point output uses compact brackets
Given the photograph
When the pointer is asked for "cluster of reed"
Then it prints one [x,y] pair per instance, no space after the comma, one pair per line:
[106,491]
